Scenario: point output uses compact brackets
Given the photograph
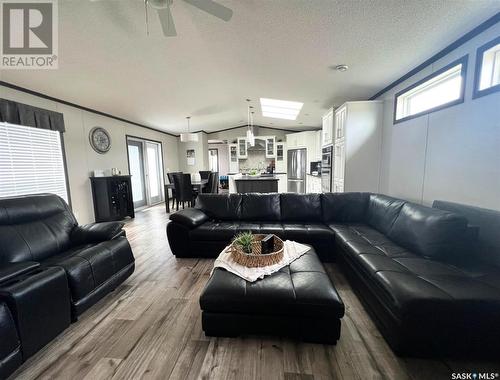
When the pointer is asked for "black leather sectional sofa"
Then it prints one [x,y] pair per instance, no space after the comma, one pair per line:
[51,271]
[415,268]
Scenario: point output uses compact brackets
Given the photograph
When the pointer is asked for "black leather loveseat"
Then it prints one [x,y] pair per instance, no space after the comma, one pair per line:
[414,267]
[51,271]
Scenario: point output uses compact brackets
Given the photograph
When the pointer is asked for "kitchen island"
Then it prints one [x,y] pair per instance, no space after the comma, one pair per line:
[255,184]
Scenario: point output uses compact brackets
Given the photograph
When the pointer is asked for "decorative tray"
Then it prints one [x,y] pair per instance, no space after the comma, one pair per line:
[256,258]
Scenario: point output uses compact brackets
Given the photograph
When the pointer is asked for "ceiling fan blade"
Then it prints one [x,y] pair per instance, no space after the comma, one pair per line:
[215,9]
[167,22]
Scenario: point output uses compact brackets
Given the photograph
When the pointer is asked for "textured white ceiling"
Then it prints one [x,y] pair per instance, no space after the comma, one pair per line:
[282,49]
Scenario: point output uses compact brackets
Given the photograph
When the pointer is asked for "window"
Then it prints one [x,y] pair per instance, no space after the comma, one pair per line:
[442,89]
[487,78]
[31,161]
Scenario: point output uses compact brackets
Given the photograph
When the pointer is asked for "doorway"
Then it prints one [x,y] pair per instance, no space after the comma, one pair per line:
[213,160]
[146,168]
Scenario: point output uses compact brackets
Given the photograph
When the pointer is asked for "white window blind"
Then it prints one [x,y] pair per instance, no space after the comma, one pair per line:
[31,161]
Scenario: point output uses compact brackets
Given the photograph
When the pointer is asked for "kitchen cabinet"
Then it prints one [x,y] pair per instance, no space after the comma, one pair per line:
[242,148]
[357,149]
[338,186]
[233,158]
[112,197]
[281,159]
[282,183]
[340,121]
[327,128]
[313,184]
[270,147]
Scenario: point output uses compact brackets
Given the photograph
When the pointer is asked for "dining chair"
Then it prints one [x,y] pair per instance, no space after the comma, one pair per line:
[184,189]
[215,186]
[205,174]
[170,177]
[213,183]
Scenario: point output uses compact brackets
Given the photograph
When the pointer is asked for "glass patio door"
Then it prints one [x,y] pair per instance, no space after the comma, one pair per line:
[136,160]
[146,168]
[154,172]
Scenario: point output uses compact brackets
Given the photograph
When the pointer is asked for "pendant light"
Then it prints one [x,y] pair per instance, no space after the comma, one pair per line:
[250,135]
[189,137]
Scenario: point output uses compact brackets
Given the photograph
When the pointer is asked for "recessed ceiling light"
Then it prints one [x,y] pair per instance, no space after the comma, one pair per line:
[341,68]
[280,109]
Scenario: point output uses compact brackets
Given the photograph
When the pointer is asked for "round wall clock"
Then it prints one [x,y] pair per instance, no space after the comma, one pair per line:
[100,140]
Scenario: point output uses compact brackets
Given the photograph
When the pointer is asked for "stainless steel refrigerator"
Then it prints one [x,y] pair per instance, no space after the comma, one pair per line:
[297,171]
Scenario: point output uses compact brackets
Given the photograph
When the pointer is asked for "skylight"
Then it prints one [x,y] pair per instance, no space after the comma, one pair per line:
[280,109]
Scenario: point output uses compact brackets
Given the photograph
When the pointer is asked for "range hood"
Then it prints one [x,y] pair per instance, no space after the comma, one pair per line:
[260,146]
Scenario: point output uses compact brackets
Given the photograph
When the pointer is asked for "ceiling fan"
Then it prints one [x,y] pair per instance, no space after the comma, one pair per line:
[167,21]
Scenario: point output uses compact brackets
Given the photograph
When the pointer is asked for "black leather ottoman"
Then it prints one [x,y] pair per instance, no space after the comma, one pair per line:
[298,301]
[40,306]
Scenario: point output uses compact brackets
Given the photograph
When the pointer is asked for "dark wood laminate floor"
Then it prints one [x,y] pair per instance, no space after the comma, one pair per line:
[150,328]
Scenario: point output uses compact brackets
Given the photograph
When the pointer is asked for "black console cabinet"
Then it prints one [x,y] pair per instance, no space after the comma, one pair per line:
[112,198]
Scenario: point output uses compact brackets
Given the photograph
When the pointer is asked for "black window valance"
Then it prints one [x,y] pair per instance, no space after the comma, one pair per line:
[23,114]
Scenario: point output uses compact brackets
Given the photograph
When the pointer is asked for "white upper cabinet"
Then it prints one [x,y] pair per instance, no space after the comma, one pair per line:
[327,130]
[281,158]
[340,121]
[233,158]
[242,148]
[270,147]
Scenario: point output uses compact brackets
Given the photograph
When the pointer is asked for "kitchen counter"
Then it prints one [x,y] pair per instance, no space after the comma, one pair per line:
[256,184]
[277,182]
[257,178]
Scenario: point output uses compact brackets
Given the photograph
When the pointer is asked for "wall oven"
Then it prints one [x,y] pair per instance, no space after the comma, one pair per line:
[326,169]
[326,157]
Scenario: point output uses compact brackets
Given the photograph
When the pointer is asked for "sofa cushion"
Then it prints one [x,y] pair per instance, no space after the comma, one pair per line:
[300,207]
[220,206]
[272,228]
[34,227]
[215,231]
[89,266]
[189,217]
[344,207]
[445,296]
[308,232]
[427,231]
[382,211]
[260,207]
[486,244]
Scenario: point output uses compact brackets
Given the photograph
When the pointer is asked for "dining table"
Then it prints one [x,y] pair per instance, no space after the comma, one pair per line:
[197,186]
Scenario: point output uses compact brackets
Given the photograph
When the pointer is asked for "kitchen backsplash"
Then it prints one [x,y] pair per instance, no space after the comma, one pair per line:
[255,160]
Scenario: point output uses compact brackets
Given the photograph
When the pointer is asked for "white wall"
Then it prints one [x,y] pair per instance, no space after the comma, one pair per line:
[223,156]
[82,159]
[452,154]
[201,154]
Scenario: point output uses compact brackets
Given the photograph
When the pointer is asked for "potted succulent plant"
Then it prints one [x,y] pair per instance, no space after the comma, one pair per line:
[244,240]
